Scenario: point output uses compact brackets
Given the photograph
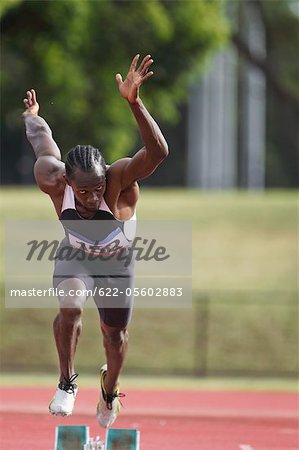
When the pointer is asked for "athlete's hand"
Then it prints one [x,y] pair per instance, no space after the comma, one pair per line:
[129,88]
[31,105]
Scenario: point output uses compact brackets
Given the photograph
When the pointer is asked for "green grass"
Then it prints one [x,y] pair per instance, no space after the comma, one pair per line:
[241,241]
[244,262]
[161,382]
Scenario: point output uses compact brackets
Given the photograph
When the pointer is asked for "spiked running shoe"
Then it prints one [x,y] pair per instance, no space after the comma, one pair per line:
[64,398]
[109,404]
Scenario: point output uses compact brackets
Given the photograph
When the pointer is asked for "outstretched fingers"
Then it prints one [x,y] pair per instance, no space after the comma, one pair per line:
[27,101]
[31,98]
[119,79]
[146,62]
[30,102]
[33,95]
[144,65]
[134,63]
[147,76]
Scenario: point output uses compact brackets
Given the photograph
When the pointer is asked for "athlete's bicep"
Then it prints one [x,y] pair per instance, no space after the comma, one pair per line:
[44,145]
[48,172]
[40,136]
[140,166]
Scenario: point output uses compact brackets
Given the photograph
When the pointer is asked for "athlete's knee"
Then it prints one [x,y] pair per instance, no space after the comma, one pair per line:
[71,315]
[75,303]
[115,337]
[73,294]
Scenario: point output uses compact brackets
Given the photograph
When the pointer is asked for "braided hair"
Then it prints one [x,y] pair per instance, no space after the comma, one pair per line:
[84,157]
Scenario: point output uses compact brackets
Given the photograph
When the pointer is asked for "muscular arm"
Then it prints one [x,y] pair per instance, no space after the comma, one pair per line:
[48,167]
[40,137]
[155,147]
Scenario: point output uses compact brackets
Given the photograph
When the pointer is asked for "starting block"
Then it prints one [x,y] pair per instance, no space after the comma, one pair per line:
[122,439]
[71,437]
[77,438]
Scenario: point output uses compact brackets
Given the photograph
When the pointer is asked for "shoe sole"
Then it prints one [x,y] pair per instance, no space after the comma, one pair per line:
[53,413]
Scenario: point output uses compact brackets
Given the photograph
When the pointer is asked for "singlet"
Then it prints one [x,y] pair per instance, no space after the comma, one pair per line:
[102,234]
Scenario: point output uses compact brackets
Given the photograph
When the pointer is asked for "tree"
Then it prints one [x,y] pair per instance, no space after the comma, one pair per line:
[70,51]
[5,5]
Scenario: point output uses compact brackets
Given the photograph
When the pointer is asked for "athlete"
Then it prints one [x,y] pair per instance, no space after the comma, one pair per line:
[84,190]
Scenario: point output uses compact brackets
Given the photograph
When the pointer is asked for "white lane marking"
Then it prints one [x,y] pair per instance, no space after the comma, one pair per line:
[245,447]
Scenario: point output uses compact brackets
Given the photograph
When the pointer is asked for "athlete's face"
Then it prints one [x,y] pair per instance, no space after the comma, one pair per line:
[88,187]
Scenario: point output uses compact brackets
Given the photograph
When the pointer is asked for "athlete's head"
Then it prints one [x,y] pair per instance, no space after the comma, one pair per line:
[85,171]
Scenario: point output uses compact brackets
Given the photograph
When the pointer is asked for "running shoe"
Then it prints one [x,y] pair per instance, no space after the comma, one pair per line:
[109,404]
[64,398]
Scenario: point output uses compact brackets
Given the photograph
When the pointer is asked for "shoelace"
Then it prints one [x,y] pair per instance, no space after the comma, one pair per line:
[110,397]
[68,384]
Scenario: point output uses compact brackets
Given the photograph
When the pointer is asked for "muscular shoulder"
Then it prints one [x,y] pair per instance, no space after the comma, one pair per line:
[119,195]
[114,173]
[49,174]
[117,167]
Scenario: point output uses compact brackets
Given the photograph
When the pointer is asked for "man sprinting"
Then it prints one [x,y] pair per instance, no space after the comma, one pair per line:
[83,190]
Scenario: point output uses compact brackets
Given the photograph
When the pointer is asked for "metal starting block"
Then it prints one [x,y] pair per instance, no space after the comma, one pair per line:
[77,438]
[122,439]
[71,437]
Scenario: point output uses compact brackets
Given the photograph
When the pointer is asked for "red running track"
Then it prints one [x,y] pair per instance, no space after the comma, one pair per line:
[167,420]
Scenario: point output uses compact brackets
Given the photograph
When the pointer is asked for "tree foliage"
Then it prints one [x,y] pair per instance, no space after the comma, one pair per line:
[70,51]
[5,5]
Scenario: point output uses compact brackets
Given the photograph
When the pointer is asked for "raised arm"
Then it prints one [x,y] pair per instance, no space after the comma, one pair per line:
[48,167]
[38,131]
[155,149]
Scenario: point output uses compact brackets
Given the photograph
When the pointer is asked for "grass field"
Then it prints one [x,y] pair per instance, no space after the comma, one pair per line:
[245,272]
[12,379]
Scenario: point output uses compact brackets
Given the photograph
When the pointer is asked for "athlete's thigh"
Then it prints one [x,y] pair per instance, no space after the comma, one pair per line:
[72,282]
[114,299]
[73,292]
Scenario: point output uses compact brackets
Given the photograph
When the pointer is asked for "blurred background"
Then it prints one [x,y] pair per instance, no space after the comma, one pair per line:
[225,93]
